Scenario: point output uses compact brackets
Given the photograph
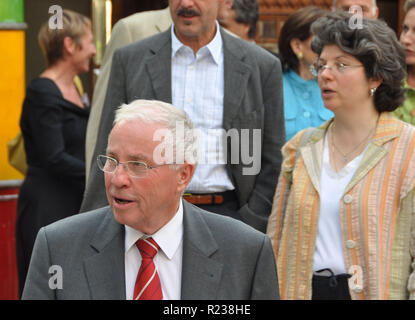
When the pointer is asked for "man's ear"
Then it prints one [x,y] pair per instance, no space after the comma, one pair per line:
[375,12]
[184,175]
[228,3]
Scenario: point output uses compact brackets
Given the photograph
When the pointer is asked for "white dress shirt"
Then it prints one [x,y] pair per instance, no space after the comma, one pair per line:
[329,248]
[168,260]
[198,89]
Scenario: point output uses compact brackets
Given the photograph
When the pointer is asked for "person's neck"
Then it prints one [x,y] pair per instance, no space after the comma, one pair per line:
[411,76]
[61,73]
[351,128]
[197,42]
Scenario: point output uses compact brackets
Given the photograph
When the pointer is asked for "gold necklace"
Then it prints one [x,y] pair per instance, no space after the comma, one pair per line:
[346,155]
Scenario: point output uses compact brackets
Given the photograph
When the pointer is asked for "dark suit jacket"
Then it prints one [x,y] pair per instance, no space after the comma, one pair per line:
[252,100]
[222,258]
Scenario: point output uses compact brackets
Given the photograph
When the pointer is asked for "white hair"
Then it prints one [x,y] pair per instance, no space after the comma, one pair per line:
[165,114]
[333,6]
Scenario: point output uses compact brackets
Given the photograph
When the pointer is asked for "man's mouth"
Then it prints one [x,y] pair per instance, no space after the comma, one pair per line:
[121,201]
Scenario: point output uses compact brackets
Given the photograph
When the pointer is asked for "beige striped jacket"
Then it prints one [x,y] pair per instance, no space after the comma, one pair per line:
[377,215]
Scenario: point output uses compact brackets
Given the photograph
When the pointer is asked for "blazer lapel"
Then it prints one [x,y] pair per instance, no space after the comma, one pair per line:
[312,154]
[200,273]
[105,270]
[237,73]
[159,67]
[387,129]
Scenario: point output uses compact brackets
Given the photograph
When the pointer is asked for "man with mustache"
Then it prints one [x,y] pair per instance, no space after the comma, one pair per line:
[223,83]
[127,30]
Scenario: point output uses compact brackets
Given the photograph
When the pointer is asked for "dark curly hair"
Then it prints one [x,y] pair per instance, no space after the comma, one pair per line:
[297,26]
[375,45]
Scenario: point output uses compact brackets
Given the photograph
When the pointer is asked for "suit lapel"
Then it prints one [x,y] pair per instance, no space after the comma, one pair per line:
[105,270]
[159,67]
[237,73]
[387,129]
[312,155]
[200,273]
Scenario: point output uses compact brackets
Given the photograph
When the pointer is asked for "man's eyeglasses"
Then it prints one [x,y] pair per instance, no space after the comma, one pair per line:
[338,68]
[135,169]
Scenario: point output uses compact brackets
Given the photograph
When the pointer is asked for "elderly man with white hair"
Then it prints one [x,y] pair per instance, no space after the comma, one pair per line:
[150,244]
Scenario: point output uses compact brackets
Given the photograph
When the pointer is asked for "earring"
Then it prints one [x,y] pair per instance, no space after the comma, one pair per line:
[372,92]
[300,55]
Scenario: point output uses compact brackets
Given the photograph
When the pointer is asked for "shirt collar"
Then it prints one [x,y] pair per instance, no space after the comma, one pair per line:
[168,237]
[214,47]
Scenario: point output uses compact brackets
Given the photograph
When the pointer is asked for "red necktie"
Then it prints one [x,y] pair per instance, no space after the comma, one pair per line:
[147,286]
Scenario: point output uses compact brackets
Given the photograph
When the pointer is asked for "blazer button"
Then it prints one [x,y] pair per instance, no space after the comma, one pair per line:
[347,198]
[350,244]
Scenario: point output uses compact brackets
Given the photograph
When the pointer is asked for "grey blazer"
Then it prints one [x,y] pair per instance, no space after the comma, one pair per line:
[253,99]
[222,258]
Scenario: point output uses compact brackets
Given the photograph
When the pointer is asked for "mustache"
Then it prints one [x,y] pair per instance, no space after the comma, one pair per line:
[187,12]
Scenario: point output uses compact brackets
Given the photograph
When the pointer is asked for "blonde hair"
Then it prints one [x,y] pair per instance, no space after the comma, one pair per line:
[74,25]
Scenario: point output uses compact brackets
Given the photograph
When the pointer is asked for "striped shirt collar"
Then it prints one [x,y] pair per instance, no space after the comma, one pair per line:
[214,47]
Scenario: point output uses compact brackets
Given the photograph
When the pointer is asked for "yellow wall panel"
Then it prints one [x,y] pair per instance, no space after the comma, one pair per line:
[12,92]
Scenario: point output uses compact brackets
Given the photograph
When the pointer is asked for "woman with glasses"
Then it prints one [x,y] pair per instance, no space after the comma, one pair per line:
[53,123]
[303,106]
[407,111]
[343,216]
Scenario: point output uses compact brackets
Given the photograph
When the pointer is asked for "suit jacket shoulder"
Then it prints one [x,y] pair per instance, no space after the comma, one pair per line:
[248,51]
[224,258]
[86,252]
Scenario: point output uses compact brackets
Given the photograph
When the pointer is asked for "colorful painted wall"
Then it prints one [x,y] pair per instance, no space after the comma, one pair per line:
[12,78]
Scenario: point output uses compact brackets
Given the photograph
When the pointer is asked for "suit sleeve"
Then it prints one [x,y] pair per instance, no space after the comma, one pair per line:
[258,208]
[95,196]
[265,281]
[38,277]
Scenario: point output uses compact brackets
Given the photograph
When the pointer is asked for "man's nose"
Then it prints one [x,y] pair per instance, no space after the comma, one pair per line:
[120,176]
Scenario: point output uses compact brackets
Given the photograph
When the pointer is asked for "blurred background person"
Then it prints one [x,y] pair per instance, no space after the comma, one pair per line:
[241,19]
[407,111]
[135,27]
[369,7]
[303,106]
[343,214]
[53,124]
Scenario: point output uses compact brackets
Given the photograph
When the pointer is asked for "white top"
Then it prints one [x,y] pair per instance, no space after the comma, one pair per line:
[329,248]
[198,89]
[168,260]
